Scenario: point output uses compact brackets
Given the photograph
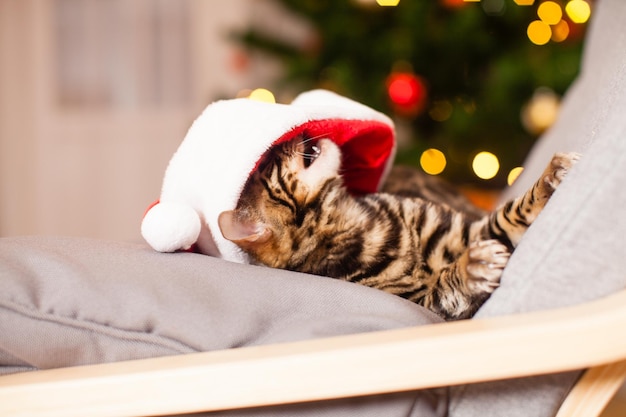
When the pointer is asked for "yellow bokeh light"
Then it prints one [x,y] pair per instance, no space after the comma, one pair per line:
[433,161]
[560,31]
[485,165]
[261,94]
[541,110]
[387,2]
[578,10]
[539,32]
[513,174]
[524,2]
[550,12]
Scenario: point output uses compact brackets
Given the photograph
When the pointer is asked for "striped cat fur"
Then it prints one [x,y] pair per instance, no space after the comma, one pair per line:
[295,213]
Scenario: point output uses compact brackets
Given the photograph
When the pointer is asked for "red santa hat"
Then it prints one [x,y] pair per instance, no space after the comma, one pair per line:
[223,146]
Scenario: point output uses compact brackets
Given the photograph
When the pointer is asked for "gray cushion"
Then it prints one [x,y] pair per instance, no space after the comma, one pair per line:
[70,301]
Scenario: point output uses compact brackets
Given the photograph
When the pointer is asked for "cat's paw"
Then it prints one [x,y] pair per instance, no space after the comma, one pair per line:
[559,166]
[486,261]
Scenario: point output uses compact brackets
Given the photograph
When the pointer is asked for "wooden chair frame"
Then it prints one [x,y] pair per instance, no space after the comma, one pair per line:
[590,335]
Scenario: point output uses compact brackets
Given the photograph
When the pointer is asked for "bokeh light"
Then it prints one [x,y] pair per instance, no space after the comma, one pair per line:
[560,31]
[524,2]
[433,161]
[405,89]
[539,32]
[441,110]
[245,93]
[485,165]
[387,2]
[513,174]
[493,7]
[550,12]
[578,10]
[262,94]
[541,110]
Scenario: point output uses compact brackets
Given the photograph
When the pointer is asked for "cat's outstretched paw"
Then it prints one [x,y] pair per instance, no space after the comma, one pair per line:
[487,259]
[560,164]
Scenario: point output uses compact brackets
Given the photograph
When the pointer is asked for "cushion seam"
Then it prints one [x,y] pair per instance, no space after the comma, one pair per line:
[100,328]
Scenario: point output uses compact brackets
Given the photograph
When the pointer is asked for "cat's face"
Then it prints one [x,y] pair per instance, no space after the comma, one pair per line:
[275,207]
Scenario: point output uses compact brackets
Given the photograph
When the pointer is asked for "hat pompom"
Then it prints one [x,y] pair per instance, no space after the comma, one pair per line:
[171,226]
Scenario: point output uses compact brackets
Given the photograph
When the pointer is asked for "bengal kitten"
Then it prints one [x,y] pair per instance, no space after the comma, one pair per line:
[295,213]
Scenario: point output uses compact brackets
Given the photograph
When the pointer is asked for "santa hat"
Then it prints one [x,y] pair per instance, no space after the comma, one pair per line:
[223,146]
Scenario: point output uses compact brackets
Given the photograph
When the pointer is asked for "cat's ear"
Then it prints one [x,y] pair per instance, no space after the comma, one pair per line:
[242,232]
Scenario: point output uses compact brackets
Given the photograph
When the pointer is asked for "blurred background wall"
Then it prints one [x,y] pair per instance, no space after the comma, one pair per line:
[96,95]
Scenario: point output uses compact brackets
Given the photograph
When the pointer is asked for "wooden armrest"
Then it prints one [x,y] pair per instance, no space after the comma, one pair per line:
[594,390]
[576,337]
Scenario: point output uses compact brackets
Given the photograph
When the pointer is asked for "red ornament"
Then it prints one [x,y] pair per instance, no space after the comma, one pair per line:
[407,93]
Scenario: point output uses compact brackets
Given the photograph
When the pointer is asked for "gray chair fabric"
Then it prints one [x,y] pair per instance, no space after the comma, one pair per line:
[72,301]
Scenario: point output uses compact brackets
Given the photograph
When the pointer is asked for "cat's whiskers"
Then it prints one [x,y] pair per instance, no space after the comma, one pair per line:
[306,140]
[305,154]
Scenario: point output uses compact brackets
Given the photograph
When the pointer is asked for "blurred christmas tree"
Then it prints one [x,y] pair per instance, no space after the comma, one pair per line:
[458,77]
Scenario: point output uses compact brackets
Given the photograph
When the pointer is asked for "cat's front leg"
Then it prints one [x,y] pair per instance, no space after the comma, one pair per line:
[554,173]
[524,211]
[510,221]
[463,286]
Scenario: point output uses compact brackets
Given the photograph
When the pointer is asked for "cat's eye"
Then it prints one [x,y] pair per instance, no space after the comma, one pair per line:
[311,151]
